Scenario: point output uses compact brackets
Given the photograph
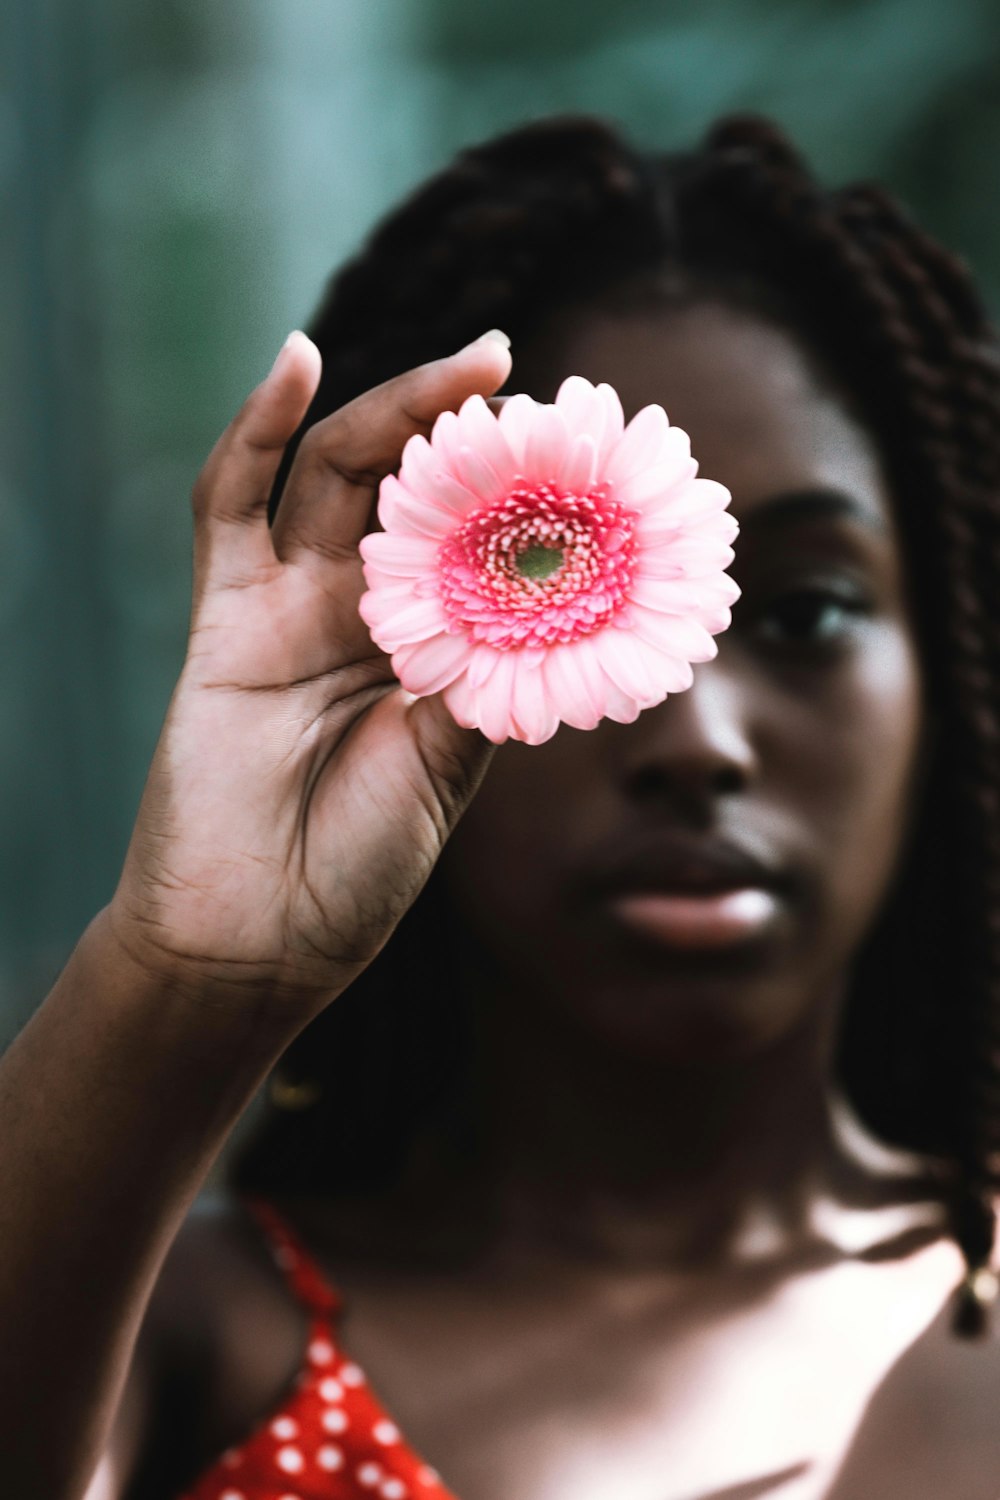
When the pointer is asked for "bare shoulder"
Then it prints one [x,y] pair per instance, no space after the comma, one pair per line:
[933,1425]
[219,1343]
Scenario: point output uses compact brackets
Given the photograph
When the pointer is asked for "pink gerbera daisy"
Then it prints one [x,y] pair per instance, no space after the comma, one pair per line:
[549,565]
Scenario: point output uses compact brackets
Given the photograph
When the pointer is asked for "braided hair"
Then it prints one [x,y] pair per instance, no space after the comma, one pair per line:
[563,211]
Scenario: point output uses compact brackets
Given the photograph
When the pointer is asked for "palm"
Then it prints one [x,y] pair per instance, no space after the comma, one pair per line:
[298,799]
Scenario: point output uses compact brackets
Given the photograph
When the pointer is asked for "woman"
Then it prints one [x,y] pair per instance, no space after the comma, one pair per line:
[581,1188]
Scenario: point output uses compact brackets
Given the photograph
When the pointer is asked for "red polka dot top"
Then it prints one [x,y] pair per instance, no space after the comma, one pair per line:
[329,1439]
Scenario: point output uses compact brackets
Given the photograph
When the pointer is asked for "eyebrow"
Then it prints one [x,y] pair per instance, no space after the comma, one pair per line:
[797,506]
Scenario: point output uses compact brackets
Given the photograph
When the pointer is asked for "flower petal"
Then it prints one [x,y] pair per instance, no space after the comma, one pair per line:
[430,665]
[692,503]
[678,635]
[580,404]
[516,421]
[403,556]
[570,688]
[479,476]
[626,663]
[460,701]
[577,472]
[493,700]
[533,716]
[614,422]
[400,510]
[639,446]
[401,626]
[481,430]
[424,472]
[481,663]
[547,444]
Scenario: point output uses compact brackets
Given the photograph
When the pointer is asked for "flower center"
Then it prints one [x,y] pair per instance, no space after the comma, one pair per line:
[537,567]
[538,562]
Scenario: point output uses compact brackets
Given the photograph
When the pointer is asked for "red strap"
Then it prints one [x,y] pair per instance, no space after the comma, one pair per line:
[307,1281]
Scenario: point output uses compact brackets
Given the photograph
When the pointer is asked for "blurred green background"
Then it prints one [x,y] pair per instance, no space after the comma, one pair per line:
[178,181]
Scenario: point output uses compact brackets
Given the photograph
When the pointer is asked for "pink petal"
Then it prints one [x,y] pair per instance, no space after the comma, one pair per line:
[675,596]
[401,511]
[493,700]
[677,635]
[430,665]
[534,718]
[547,444]
[640,445]
[424,473]
[481,664]
[460,701]
[615,704]
[401,626]
[692,503]
[614,422]
[656,489]
[387,594]
[576,474]
[699,555]
[481,430]
[570,689]
[664,478]
[580,404]
[625,662]
[516,421]
[479,476]
[405,556]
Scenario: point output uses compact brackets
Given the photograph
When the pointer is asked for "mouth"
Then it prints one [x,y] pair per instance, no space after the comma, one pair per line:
[711,919]
[688,892]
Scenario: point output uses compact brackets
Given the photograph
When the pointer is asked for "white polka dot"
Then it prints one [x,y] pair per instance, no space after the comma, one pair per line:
[289,1497]
[393,1489]
[427,1475]
[285,1427]
[352,1375]
[232,1458]
[369,1475]
[232,1495]
[334,1420]
[330,1389]
[290,1459]
[330,1457]
[386,1432]
[320,1352]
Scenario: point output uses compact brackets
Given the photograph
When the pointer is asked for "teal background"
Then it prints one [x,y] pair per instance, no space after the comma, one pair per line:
[176,183]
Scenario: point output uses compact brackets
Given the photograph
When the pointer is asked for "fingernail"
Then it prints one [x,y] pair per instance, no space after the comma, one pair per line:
[296,333]
[492,336]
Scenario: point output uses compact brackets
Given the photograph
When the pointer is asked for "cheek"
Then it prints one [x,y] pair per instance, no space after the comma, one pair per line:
[852,769]
[506,856]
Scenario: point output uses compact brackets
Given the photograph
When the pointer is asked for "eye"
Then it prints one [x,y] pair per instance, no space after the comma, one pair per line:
[810,616]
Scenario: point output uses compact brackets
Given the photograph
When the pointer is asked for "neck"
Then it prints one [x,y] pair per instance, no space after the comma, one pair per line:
[624,1161]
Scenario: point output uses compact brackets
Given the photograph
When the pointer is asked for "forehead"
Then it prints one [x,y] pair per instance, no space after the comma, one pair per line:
[761,419]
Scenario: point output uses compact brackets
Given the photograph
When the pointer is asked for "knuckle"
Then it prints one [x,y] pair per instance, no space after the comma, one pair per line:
[341,447]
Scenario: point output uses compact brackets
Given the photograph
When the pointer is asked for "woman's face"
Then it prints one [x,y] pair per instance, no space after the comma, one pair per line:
[796,747]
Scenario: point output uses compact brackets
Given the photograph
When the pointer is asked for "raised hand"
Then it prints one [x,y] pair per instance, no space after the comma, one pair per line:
[298,798]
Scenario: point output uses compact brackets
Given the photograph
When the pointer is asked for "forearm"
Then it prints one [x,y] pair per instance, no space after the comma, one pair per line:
[114,1102]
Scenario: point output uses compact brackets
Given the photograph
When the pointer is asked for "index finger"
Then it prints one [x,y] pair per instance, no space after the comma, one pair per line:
[324,510]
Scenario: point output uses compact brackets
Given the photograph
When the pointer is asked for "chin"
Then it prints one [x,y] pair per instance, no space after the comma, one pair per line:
[687,1021]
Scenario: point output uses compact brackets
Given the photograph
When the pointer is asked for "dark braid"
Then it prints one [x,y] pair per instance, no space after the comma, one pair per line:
[565,210]
[916,309]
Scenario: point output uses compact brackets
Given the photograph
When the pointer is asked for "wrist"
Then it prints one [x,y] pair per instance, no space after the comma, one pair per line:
[244,1013]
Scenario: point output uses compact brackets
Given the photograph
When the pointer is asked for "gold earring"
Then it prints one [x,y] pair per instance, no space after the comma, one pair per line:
[284,1094]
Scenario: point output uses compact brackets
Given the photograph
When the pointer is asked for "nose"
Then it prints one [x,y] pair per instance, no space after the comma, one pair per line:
[695,746]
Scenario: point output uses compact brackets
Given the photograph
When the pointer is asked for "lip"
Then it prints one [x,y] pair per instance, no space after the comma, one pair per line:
[690,891]
[717,919]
